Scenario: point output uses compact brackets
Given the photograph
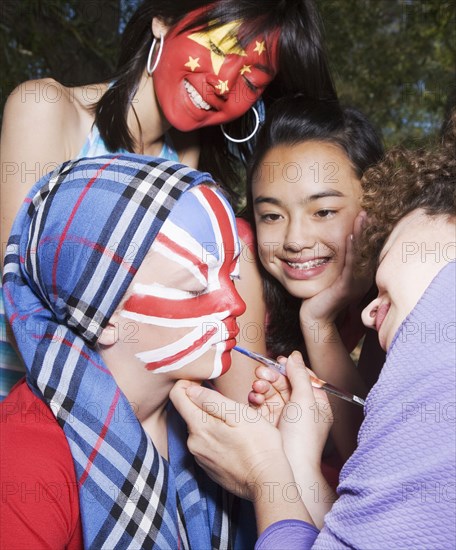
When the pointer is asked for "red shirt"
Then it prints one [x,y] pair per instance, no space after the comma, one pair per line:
[39,506]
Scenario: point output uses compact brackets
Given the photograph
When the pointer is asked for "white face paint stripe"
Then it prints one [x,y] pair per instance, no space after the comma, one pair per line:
[195,248]
[160,291]
[186,241]
[190,246]
[191,322]
[158,354]
[216,223]
[217,370]
[189,358]
[184,262]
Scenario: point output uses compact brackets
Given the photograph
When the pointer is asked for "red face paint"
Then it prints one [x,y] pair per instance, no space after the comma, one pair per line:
[207,78]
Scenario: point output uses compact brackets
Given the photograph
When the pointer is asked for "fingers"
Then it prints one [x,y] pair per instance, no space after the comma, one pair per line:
[183,404]
[301,381]
[355,285]
[298,375]
[214,405]
[199,405]
[266,389]
[358,224]
[347,271]
[347,275]
[256,399]
[192,400]
[261,391]
[269,385]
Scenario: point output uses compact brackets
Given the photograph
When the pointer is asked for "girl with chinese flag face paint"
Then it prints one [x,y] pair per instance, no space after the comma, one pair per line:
[214,76]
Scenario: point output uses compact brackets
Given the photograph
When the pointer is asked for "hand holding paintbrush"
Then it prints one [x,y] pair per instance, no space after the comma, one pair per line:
[316,382]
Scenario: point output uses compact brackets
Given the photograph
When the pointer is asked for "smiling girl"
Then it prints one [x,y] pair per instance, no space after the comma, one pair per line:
[304,197]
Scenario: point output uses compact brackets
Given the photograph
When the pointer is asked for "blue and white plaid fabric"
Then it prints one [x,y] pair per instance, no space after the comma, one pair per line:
[76,244]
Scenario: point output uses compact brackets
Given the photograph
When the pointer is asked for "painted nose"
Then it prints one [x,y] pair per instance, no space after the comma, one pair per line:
[230,300]
[237,305]
[369,313]
[218,86]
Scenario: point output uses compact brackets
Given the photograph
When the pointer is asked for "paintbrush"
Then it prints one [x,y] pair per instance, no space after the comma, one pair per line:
[316,382]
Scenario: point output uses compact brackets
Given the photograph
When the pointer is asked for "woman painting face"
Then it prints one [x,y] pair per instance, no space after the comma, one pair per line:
[205,77]
[306,198]
[182,303]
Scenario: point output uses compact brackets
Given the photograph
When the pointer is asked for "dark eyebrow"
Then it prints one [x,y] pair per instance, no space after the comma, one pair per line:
[310,198]
[260,200]
[264,68]
[324,194]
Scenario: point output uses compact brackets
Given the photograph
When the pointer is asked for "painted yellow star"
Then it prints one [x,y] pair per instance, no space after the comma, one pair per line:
[259,47]
[192,63]
[223,86]
[221,41]
[245,69]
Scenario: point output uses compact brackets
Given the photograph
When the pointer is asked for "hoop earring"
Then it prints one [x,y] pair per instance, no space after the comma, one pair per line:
[243,140]
[150,69]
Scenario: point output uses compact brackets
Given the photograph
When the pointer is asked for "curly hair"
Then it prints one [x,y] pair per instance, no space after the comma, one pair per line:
[402,182]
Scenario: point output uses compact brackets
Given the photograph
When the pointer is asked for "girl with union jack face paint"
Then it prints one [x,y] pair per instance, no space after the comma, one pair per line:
[184,313]
[109,311]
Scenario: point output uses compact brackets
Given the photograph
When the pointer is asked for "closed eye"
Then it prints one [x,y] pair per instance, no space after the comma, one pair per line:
[196,293]
[250,85]
[168,292]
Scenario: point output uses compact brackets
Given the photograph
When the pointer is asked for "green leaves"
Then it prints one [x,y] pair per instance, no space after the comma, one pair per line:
[395,60]
[73,41]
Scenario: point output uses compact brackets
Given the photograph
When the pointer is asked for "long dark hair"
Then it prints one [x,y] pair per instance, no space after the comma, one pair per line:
[302,68]
[291,121]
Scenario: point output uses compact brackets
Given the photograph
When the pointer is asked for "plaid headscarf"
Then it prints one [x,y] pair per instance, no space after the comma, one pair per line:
[76,244]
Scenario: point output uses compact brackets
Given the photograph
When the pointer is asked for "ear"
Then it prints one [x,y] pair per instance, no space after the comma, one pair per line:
[159,27]
[110,334]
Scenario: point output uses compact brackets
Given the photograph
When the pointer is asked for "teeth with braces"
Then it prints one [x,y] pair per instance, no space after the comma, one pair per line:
[309,264]
[196,98]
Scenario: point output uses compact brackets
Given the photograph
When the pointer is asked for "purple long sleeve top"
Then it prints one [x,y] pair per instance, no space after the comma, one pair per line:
[398,489]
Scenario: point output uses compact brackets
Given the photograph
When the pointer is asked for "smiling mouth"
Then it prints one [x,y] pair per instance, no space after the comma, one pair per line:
[195,97]
[309,264]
